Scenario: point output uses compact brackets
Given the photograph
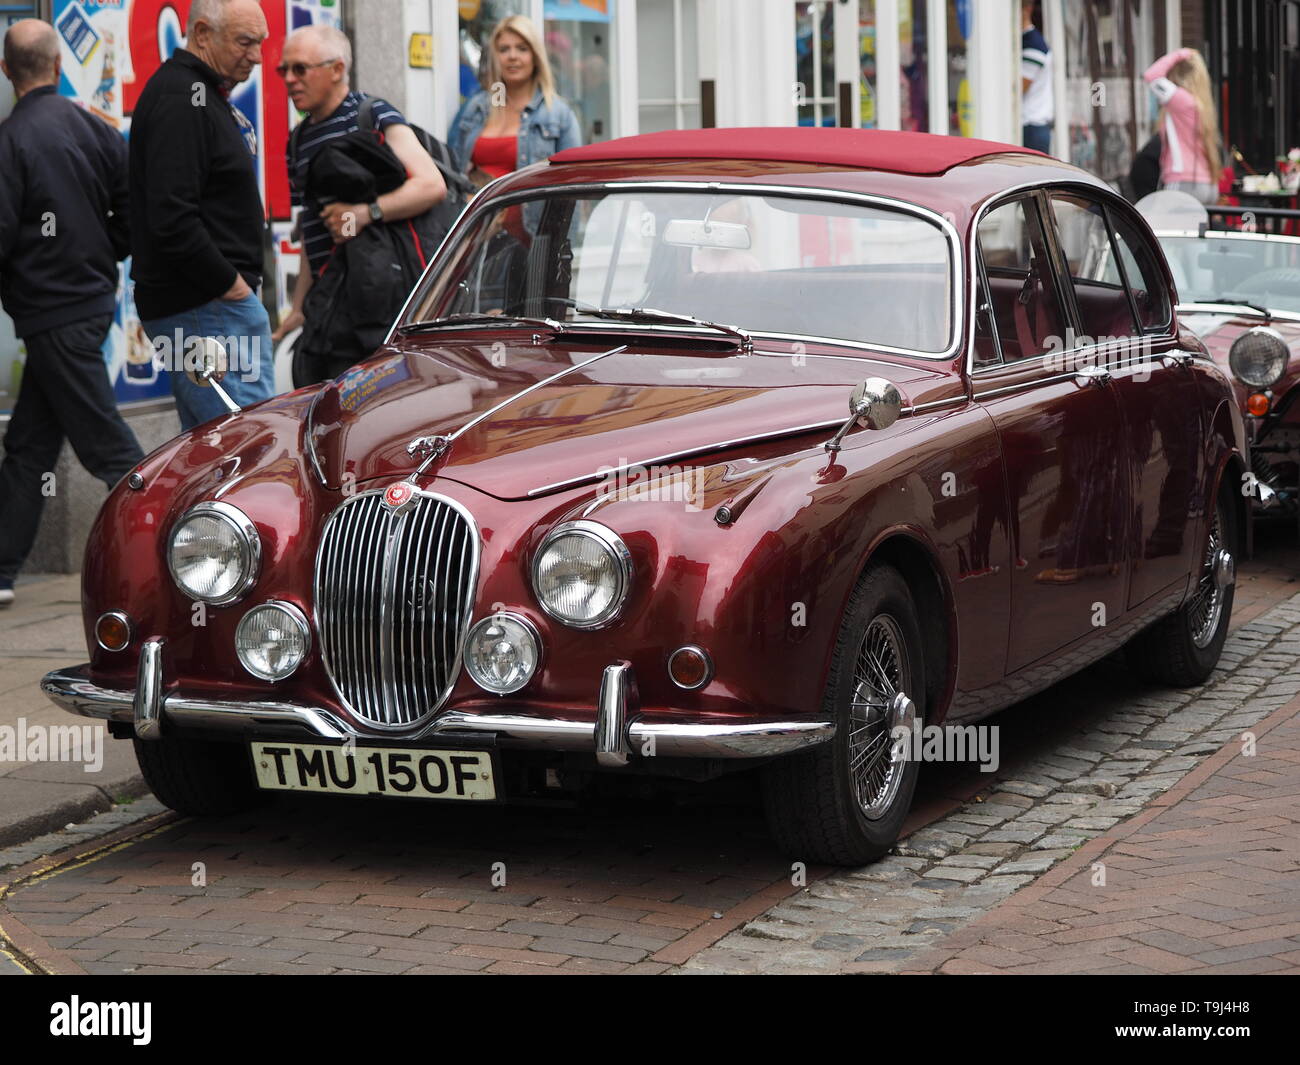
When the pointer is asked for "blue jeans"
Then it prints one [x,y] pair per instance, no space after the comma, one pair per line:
[1038,137]
[244,329]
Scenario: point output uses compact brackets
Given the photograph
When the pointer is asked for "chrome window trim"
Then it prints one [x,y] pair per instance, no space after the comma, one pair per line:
[243,525]
[475,538]
[1080,182]
[956,276]
[623,563]
[295,615]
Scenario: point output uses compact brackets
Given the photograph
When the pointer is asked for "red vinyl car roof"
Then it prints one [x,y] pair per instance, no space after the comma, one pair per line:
[869,149]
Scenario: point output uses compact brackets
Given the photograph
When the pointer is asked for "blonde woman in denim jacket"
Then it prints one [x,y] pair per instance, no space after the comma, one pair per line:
[519,119]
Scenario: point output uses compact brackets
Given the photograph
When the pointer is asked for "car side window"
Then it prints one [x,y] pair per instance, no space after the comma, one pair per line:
[1098,286]
[1141,269]
[1027,313]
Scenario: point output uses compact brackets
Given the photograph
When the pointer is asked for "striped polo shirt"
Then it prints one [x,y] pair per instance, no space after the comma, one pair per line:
[316,239]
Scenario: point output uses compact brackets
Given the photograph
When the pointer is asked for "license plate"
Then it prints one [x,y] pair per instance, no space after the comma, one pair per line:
[403,772]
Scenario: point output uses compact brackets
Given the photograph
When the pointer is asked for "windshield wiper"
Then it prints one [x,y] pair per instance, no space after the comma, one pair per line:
[1226,301]
[481,319]
[652,314]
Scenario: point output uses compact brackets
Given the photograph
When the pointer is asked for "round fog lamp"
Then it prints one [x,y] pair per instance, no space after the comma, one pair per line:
[113,631]
[502,652]
[690,667]
[272,640]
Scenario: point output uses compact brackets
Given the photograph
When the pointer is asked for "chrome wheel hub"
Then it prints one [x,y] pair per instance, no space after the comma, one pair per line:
[1218,573]
[880,704]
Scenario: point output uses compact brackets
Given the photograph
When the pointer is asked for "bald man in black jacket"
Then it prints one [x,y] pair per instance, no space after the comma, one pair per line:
[63,228]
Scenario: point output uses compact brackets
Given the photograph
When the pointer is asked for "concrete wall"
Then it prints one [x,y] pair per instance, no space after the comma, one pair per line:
[70,512]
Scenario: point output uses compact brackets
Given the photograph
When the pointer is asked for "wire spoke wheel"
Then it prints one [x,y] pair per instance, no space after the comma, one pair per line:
[1217,575]
[881,672]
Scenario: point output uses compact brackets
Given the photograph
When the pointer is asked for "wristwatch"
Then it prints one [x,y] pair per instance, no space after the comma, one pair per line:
[376,212]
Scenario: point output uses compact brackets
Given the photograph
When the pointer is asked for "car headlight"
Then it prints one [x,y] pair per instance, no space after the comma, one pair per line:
[502,653]
[582,574]
[1259,358]
[272,640]
[213,553]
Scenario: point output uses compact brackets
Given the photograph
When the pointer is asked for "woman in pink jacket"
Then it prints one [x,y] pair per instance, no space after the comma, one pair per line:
[1189,124]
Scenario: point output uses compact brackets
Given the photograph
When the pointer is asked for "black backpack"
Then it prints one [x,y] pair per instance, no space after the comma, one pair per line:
[459,188]
[435,223]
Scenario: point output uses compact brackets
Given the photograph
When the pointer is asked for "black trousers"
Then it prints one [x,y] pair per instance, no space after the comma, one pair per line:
[65,393]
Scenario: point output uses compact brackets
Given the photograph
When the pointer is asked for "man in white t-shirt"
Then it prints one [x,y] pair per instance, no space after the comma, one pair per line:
[1037,108]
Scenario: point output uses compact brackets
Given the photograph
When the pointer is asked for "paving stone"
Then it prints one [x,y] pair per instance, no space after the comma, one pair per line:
[961,874]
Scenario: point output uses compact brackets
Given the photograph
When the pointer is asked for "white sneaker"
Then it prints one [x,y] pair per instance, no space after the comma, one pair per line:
[6,597]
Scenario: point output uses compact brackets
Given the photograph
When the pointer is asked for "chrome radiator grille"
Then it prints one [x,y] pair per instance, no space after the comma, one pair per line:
[394,591]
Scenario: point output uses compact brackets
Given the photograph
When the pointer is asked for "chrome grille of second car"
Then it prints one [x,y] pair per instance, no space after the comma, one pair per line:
[393,595]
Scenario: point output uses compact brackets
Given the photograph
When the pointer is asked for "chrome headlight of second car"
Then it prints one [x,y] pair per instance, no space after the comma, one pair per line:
[214,553]
[582,574]
[1259,358]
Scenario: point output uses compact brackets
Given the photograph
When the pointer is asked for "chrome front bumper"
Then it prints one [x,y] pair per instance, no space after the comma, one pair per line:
[619,730]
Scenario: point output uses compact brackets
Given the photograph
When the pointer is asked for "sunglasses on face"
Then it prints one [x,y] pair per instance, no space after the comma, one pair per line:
[299,70]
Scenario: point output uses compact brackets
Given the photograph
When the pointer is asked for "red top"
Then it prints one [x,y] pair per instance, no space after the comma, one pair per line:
[496,155]
[903,153]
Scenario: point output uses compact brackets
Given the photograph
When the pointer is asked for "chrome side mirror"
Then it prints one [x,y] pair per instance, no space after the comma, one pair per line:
[874,404]
[206,363]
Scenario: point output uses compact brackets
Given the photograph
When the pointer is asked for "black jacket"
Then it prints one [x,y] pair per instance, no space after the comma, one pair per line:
[362,287]
[196,209]
[63,212]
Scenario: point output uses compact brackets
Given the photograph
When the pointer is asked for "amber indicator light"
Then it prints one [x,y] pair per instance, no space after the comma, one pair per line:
[1257,404]
[113,631]
[690,667]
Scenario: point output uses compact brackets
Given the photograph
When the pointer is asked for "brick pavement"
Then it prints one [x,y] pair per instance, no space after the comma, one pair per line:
[1205,880]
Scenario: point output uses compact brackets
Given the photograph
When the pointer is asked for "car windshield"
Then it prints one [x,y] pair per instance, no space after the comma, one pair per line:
[1259,270]
[763,263]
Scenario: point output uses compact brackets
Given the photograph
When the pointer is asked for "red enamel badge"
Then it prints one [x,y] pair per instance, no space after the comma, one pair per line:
[398,495]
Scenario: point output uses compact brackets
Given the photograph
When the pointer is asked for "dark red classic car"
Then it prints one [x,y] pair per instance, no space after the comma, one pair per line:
[692,452]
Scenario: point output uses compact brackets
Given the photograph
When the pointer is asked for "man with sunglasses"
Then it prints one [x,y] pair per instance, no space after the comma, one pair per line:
[317,67]
[197,220]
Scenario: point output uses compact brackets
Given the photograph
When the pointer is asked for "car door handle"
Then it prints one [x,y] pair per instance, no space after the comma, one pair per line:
[1092,375]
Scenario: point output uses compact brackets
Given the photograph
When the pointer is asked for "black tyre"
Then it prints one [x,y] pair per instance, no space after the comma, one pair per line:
[196,777]
[843,802]
[1182,649]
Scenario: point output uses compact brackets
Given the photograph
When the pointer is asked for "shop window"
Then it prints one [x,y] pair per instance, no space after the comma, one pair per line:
[961,104]
[814,42]
[579,40]
[668,78]
[914,81]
